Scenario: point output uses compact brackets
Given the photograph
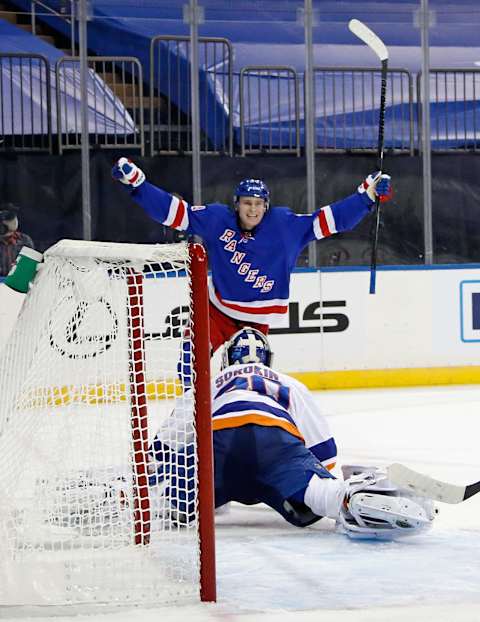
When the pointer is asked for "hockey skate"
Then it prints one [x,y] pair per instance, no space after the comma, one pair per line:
[374,507]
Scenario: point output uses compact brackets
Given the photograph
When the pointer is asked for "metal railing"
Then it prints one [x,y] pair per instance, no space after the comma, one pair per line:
[25,121]
[346,101]
[267,113]
[112,79]
[454,113]
[170,105]
[269,110]
[62,14]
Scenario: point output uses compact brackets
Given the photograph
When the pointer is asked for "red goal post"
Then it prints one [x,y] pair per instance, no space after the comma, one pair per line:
[107,497]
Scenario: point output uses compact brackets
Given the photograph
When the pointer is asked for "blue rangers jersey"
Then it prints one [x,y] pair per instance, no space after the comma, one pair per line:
[251,270]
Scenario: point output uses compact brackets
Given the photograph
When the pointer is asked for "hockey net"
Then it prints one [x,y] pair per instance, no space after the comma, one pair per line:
[88,378]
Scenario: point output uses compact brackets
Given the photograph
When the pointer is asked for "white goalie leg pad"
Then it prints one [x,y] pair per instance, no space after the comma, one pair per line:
[359,477]
[376,508]
[384,516]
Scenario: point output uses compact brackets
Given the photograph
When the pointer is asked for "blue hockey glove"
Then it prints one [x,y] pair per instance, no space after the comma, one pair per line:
[128,173]
[377,184]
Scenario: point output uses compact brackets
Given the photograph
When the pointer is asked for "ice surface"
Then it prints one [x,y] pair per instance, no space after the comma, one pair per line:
[269,570]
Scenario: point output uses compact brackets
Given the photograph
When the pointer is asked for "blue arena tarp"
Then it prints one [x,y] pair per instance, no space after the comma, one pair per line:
[24,89]
[270,33]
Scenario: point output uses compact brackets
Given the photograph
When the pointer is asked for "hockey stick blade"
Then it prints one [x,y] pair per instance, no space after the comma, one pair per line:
[364,33]
[426,486]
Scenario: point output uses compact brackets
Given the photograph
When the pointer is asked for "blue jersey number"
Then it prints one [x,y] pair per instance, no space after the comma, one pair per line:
[263,386]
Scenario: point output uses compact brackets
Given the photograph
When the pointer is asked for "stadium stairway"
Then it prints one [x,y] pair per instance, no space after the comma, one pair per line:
[22,19]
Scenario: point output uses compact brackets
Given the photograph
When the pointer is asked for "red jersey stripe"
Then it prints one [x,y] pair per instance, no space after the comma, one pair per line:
[177,221]
[323,224]
[253,310]
[135,177]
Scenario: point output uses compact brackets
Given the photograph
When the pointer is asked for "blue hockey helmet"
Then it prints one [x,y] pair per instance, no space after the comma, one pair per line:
[252,188]
[248,345]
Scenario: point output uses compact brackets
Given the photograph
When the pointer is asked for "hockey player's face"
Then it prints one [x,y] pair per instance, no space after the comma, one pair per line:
[251,210]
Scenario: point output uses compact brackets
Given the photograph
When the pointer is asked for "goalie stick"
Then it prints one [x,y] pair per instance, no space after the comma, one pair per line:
[426,486]
[377,46]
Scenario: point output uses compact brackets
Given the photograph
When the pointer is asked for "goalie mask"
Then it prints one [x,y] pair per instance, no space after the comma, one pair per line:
[248,345]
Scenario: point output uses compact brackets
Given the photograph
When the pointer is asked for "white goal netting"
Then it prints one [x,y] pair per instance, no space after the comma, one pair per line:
[91,512]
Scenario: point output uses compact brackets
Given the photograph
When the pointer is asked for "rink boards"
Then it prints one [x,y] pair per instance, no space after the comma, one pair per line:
[422,326]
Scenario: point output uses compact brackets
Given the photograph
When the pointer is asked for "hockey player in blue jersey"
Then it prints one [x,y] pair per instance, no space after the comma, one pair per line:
[253,248]
[272,445]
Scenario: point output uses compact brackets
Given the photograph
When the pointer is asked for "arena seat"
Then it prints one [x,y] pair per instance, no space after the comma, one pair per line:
[24,89]
[270,33]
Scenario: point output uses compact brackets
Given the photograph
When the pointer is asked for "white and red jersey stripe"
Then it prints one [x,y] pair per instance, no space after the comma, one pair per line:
[177,216]
[271,311]
[324,224]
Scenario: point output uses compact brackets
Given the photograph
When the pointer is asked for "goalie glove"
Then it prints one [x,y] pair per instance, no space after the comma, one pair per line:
[128,173]
[377,184]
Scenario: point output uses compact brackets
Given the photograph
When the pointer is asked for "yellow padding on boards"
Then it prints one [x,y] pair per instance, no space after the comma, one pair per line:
[315,381]
[92,394]
[402,377]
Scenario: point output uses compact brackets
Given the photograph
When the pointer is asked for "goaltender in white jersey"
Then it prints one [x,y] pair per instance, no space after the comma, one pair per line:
[254,393]
[272,445]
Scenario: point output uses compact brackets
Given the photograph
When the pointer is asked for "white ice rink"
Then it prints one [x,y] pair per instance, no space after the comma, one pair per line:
[270,571]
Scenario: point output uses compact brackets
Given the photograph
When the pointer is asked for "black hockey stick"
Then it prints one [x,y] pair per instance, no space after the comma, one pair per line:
[426,486]
[378,47]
